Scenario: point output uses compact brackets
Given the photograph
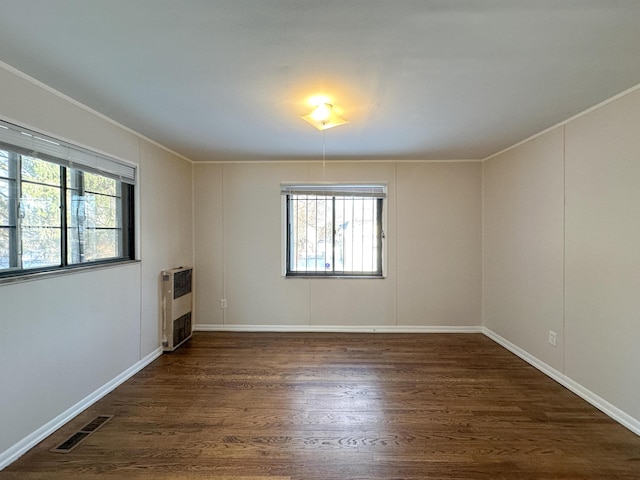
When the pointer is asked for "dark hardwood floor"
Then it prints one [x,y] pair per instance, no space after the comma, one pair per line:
[254,406]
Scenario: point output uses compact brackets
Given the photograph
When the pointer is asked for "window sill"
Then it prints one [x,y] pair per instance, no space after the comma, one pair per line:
[337,277]
[42,274]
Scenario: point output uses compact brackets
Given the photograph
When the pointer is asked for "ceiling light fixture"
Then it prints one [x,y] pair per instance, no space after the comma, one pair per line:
[324,117]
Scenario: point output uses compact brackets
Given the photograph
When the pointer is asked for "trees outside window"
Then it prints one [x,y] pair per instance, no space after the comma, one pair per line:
[55,216]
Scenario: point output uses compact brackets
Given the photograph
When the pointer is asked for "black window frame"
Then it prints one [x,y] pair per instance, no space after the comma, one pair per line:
[125,186]
[289,270]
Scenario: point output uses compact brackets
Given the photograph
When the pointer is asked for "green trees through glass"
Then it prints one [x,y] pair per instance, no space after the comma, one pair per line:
[52,215]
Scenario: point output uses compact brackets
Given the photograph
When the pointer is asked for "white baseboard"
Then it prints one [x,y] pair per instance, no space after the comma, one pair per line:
[20,448]
[336,329]
[600,403]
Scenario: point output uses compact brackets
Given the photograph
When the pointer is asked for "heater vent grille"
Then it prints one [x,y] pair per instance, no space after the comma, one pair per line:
[177,325]
[182,328]
[182,283]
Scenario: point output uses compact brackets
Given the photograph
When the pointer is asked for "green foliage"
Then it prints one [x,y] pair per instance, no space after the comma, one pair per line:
[36,170]
[93,213]
[99,184]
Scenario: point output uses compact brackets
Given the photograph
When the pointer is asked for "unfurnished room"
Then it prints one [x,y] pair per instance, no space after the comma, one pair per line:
[317,240]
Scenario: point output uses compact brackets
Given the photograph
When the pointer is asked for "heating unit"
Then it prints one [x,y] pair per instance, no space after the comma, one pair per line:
[177,326]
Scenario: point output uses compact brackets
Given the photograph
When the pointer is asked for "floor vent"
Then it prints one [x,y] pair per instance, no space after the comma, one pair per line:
[74,440]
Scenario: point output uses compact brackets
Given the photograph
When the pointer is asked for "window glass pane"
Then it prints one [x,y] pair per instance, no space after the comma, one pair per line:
[93,211]
[312,221]
[102,244]
[40,225]
[72,188]
[4,203]
[99,184]
[40,247]
[94,226]
[4,163]
[106,211]
[5,259]
[356,234]
[40,205]
[36,170]
[334,235]
[76,226]
[8,211]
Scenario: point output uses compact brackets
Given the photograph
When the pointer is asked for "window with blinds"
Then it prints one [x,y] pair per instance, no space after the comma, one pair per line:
[61,205]
[334,230]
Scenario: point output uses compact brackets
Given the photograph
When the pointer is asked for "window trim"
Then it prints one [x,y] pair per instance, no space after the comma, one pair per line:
[359,189]
[25,142]
[18,276]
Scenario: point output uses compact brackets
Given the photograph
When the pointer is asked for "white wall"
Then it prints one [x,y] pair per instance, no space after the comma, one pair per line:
[166,230]
[65,337]
[572,269]
[433,247]
[523,235]
[438,244]
[62,339]
[602,314]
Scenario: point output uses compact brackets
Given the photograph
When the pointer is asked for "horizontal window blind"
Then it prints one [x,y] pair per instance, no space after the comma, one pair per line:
[338,190]
[34,144]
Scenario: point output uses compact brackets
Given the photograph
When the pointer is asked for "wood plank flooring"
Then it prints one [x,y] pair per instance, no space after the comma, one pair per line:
[275,406]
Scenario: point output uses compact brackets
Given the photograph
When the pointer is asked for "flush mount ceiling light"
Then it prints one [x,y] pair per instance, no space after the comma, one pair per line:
[323,117]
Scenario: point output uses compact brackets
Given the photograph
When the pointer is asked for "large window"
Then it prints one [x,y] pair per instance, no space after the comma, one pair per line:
[334,230]
[60,206]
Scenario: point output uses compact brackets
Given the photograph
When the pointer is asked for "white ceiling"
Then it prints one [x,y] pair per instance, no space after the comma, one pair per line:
[418,79]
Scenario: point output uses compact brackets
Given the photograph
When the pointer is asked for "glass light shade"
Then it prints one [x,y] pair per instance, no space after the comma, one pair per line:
[323,117]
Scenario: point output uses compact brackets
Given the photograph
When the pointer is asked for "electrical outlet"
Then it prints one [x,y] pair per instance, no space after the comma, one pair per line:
[552,338]
[223,303]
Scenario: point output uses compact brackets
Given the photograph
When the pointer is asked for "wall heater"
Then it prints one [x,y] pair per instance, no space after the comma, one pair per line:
[176,307]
